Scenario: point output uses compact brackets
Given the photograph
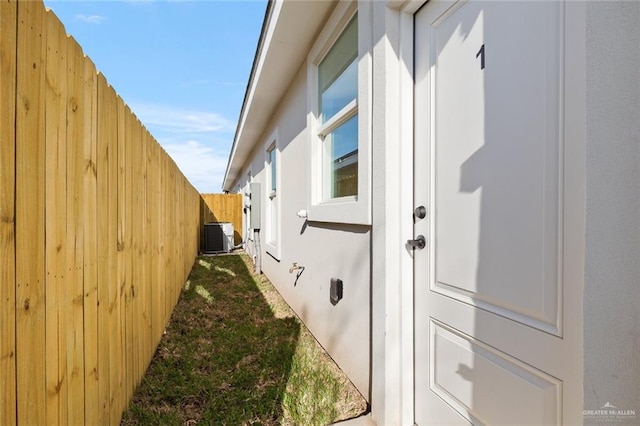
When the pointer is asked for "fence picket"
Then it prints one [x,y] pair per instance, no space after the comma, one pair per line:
[93,410]
[77,117]
[128,247]
[30,214]
[56,170]
[121,257]
[8,16]
[110,241]
[105,124]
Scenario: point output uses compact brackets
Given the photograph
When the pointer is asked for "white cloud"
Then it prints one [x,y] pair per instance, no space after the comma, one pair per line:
[198,141]
[91,19]
[181,121]
[202,165]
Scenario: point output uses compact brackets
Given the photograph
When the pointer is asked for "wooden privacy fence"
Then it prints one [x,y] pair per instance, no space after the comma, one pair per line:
[98,231]
[222,208]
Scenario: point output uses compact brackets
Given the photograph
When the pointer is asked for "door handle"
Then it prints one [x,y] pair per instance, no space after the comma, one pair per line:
[419,243]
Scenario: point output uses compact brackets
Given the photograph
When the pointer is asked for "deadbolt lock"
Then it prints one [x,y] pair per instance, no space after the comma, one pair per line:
[420,212]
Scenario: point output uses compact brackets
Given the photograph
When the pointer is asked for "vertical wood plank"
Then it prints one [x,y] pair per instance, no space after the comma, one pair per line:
[90,243]
[74,288]
[92,409]
[135,247]
[155,252]
[181,231]
[56,171]
[133,267]
[186,229]
[105,125]
[30,209]
[115,365]
[144,243]
[197,224]
[129,348]
[170,226]
[8,25]
[150,236]
[121,246]
[161,238]
[139,254]
[175,231]
[185,224]
[165,236]
[158,261]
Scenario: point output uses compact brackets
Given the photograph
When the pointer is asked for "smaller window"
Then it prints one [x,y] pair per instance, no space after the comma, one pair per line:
[272,165]
[247,211]
[272,201]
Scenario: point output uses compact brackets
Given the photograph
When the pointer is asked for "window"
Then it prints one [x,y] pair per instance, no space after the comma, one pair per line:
[338,107]
[271,195]
[271,154]
[248,234]
[272,199]
[338,119]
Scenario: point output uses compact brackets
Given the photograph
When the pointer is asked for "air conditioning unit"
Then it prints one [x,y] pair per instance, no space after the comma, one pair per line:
[218,237]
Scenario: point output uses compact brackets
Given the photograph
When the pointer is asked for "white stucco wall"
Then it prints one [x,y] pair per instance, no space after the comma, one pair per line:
[374,265]
[612,266]
[325,250]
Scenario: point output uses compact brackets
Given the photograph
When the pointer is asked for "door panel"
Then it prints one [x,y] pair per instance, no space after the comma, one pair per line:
[510,387]
[496,158]
[489,167]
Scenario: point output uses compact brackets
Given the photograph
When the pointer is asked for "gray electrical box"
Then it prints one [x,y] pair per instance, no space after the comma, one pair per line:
[256,203]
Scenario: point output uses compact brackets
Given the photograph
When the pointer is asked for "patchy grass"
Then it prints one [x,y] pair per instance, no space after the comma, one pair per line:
[235,354]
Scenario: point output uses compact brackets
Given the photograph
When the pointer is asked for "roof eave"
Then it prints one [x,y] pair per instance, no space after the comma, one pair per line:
[287,32]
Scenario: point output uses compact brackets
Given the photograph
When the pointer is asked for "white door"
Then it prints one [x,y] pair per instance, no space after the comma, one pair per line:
[495,339]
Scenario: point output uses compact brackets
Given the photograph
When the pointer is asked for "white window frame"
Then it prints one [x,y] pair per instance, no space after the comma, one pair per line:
[272,200]
[246,205]
[354,209]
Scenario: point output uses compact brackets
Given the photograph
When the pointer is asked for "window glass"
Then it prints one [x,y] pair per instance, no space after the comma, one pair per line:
[272,164]
[341,160]
[338,73]
[342,91]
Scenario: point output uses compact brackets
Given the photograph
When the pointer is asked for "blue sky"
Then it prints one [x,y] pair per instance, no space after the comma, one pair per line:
[182,67]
